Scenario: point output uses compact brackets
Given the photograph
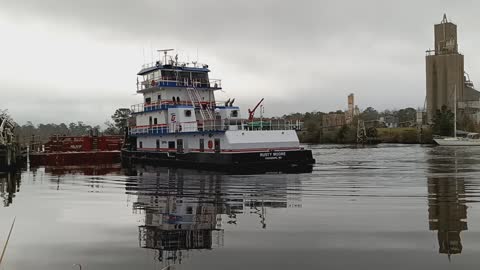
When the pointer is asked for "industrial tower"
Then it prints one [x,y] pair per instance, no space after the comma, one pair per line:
[444,69]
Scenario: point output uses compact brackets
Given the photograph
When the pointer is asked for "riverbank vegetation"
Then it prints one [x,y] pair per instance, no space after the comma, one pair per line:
[30,132]
[444,119]
[375,122]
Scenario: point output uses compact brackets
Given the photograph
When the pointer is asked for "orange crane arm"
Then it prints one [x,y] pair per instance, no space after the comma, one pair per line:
[251,113]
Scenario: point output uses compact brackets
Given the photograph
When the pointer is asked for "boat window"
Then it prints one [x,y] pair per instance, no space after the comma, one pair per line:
[140,144]
[188,113]
[150,120]
[200,76]
[148,100]
[168,75]
[154,121]
[150,76]
[159,97]
[217,145]
[158,144]
[179,145]
[171,145]
[234,113]
[189,210]
[202,145]
[184,76]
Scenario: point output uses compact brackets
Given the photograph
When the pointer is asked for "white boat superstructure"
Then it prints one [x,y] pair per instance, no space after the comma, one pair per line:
[180,121]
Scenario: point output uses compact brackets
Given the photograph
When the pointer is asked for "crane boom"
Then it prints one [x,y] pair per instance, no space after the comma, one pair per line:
[251,113]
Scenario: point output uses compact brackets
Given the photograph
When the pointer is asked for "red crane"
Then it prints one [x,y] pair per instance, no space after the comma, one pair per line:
[251,113]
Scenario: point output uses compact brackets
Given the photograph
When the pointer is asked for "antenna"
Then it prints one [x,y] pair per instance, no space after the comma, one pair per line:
[165,52]
[445,20]
[151,52]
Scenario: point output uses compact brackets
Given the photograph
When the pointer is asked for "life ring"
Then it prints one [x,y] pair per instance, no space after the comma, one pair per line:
[153,83]
[210,144]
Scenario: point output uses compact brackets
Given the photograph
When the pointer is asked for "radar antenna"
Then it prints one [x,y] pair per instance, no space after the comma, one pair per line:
[165,52]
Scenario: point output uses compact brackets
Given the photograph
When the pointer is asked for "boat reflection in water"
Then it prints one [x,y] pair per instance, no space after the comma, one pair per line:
[447,209]
[185,210]
[9,186]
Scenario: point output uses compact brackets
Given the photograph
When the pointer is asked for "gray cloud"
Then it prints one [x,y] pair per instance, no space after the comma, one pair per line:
[312,53]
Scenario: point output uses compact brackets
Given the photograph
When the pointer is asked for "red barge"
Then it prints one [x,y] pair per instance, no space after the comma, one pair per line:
[78,150]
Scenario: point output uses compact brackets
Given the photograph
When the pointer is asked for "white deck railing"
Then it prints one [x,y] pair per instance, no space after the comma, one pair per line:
[167,82]
[163,104]
[216,126]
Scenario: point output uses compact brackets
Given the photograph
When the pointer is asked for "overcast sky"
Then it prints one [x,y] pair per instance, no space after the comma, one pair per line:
[66,60]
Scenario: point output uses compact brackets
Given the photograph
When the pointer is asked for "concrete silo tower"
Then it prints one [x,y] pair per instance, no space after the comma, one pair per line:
[444,69]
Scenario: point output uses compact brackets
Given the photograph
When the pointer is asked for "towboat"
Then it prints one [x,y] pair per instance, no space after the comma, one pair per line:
[180,123]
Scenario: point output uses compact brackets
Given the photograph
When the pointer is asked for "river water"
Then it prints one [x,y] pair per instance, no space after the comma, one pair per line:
[381,207]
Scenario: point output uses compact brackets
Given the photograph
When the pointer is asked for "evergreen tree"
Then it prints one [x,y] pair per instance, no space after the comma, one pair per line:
[120,118]
[443,122]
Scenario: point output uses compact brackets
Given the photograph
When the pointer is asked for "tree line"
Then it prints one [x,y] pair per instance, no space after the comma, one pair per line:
[314,130]
[42,132]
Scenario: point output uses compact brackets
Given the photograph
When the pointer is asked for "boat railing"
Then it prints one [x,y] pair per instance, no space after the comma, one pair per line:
[217,125]
[174,82]
[165,104]
[175,63]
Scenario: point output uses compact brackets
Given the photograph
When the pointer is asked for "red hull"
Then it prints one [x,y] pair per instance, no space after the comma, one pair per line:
[74,158]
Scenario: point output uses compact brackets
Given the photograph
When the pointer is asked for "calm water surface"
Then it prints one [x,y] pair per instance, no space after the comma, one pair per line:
[383,207]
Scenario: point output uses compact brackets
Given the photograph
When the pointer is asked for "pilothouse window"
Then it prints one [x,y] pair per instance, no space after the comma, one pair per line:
[184,77]
[168,75]
[200,76]
[200,79]
[150,76]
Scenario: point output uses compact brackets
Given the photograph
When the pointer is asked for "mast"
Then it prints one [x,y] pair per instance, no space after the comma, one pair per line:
[455,113]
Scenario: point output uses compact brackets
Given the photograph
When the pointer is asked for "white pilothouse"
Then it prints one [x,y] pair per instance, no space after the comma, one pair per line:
[180,122]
